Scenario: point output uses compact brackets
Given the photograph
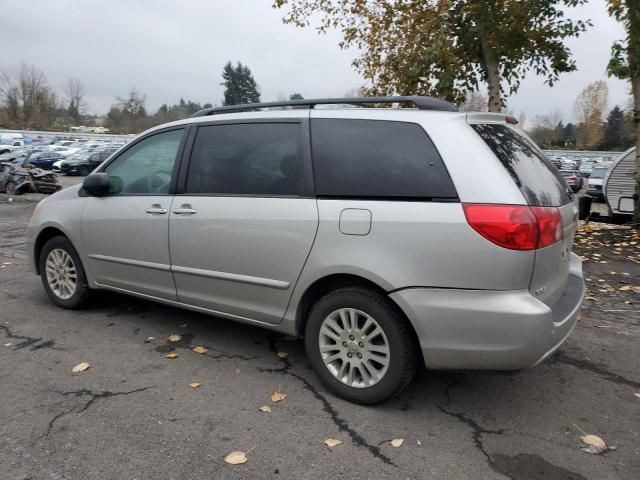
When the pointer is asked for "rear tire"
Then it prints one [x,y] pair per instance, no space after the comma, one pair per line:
[83,171]
[360,345]
[10,188]
[63,275]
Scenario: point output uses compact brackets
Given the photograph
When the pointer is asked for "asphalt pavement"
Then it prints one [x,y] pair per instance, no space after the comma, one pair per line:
[134,415]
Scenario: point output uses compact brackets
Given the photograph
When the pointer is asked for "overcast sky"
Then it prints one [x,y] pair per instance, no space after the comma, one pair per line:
[169,49]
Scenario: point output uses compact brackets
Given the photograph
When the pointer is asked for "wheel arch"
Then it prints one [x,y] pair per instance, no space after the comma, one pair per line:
[329,283]
[43,237]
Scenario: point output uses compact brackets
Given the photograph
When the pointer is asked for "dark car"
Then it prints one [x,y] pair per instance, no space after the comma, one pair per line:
[573,179]
[83,164]
[44,160]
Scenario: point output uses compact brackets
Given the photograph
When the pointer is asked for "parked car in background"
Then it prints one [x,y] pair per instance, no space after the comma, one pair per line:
[83,164]
[44,160]
[594,185]
[360,229]
[573,179]
[586,166]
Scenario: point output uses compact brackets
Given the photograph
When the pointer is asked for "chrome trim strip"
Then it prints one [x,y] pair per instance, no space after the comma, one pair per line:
[188,306]
[232,277]
[134,263]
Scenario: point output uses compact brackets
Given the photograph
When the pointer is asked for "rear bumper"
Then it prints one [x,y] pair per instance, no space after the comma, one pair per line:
[491,330]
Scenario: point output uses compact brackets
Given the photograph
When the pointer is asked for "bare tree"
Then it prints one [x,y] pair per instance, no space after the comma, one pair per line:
[75,93]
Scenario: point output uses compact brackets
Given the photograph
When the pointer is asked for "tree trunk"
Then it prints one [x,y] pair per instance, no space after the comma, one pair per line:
[492,69]
[635,89]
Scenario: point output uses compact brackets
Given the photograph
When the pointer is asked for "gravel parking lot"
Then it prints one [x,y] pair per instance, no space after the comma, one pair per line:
[134,415]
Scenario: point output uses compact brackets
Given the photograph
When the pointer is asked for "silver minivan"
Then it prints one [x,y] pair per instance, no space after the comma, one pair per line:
[385,237]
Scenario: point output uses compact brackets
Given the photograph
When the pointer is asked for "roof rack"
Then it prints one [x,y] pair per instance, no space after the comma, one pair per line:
[422,103]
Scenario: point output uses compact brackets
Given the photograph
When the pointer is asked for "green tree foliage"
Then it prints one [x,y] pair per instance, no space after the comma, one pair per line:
[240,86]
[625,64]
[296,96]
[447,48]
[614,130]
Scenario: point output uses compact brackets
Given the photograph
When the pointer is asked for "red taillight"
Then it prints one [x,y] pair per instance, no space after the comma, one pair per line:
[516,227]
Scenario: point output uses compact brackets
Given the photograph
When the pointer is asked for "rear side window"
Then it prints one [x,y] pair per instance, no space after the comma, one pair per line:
[377,159]
[537,178]
[247,159]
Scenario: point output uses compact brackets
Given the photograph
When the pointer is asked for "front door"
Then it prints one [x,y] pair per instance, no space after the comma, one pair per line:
[126,233]
[241,232]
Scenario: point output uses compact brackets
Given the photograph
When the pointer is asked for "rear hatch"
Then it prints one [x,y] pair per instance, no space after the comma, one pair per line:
[541,185]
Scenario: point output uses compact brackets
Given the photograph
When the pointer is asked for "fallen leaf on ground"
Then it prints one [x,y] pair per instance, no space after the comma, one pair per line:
[265,409]
[625,288]
[282,354]
[149,339]
[200,350]
[237,371]
[278,396]
[8,344]
[332,442]
[81,367]
[171,355]
[175,338]
[637,395]
[7,263]
[590,298]
[195,384]
[397,442]
[236,458]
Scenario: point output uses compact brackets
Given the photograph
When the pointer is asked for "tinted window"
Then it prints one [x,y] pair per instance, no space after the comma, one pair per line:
[147,167]
[372,158]
[537,178]
[247,159]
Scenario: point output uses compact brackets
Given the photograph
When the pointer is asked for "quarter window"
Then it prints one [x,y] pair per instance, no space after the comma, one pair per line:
[247,159]
[377,159]
[147,167]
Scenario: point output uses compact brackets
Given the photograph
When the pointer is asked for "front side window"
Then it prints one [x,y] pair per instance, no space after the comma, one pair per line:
[247,159]
[377,159]
[147,167]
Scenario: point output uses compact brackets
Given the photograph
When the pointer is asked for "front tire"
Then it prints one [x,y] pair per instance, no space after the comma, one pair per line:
[63,275]
[360,345]
[83,171]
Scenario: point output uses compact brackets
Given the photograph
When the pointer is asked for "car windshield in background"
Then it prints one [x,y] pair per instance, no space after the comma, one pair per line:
[538,179]
[598,172]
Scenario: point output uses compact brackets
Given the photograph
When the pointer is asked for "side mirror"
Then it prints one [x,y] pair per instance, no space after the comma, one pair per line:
[97,184]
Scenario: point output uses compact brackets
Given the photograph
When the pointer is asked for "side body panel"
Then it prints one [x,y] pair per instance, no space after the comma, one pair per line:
[125,246]
[241,255]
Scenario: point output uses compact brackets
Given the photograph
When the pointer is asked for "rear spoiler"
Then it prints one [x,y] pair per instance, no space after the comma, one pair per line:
[486,117]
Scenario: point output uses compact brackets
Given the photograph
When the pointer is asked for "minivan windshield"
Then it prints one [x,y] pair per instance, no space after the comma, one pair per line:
[598,172]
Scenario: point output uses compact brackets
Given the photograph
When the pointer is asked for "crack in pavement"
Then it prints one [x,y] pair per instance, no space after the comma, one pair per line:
[477,430]
[33,342]
[186,341]
[93,398]
[340,422]
[561,357]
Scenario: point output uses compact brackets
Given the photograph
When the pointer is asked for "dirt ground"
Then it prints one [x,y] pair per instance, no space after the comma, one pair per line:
[133,414]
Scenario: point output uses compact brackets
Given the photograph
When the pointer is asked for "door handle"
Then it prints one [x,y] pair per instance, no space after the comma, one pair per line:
[156,208]
[185,209]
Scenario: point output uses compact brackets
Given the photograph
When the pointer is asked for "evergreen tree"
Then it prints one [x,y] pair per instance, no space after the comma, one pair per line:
[614,130]
[296,96]
[240,86]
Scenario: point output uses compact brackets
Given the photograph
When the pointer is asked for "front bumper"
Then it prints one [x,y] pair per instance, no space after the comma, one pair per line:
[488,329]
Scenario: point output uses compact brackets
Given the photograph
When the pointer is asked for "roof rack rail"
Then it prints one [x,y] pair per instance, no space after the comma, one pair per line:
[422,103]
